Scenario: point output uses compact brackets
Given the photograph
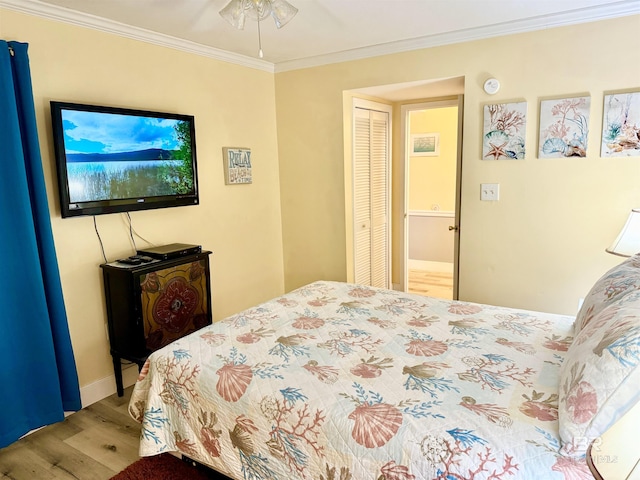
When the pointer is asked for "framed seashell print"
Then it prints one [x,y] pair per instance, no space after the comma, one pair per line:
[621,125]
[564,127]
[237,165]
[504,131]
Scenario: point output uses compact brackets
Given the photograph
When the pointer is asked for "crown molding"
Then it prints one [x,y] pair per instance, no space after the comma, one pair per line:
[591,14]
[585,15]
[54,12]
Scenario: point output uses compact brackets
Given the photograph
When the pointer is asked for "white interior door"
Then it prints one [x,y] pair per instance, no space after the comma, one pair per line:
[371,190]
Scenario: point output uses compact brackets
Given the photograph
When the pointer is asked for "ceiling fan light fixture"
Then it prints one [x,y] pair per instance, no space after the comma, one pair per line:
[237,11]
[234,13]
[257,10]
[282,12]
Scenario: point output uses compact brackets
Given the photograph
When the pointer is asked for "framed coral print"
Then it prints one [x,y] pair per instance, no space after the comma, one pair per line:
[504,131]
[621,125]
[237,165]
[564,127]
[425,144]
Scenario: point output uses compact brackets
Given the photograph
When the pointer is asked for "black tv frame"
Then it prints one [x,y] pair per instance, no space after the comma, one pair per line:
[70,208]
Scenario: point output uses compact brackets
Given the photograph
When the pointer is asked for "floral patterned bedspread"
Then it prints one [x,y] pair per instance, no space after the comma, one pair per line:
[335,381]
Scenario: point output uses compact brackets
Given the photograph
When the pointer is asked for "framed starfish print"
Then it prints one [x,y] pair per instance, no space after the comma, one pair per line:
[503,135]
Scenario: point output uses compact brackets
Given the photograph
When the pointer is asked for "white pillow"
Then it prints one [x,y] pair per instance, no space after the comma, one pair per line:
[621,280]
[600,376]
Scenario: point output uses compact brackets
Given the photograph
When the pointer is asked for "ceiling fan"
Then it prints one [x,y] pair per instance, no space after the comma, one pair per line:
[237,11]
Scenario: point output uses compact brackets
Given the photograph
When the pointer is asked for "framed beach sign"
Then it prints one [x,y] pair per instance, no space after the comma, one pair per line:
[425,144]
[237,165]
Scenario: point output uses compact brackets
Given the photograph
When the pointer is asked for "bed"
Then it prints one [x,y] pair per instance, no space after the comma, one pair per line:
[335,381]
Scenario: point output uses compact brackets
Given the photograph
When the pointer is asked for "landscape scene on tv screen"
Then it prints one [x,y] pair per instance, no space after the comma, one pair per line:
[112,156]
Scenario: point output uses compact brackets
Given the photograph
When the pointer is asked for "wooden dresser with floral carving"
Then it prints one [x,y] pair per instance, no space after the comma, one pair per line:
[151,304]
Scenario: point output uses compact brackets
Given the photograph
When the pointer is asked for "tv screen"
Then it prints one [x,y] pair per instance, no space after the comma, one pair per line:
[117,160]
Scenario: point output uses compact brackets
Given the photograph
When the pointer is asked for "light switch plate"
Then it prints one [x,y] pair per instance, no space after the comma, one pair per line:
[490,191]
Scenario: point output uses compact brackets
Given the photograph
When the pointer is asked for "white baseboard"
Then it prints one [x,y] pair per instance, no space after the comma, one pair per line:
[444,267]
[106,386]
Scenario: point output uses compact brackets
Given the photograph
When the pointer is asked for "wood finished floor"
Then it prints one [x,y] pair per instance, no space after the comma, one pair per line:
[93,444]
[431,284]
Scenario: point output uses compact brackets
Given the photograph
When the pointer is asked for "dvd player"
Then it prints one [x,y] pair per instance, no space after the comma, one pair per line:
[173,250]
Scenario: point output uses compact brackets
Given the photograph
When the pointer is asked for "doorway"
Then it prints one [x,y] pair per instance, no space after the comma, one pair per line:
[395,97]
[432,132]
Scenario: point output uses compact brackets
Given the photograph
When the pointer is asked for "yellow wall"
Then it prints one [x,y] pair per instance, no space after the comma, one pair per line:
[432,179]
[542,245]
[232,106]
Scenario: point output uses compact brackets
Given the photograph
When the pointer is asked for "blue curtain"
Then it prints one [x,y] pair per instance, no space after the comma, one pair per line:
[37,367]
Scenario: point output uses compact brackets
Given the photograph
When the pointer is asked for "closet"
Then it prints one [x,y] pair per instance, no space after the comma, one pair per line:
[371,192]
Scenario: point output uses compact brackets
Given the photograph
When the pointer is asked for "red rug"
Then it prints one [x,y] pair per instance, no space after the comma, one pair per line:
[166,467]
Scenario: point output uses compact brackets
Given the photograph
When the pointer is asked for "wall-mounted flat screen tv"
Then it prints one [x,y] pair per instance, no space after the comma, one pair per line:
[117,160]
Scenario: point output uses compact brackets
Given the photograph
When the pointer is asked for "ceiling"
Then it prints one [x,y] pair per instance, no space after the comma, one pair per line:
[323,31]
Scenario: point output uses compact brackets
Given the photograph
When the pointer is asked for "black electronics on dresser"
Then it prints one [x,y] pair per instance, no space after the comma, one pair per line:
[153,303]
[173,250]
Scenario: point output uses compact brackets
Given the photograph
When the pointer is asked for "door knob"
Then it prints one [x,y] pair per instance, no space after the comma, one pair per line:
[453,227]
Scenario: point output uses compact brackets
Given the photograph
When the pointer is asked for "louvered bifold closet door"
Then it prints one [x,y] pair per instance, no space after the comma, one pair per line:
[379,199]
[362,196]
[371,197]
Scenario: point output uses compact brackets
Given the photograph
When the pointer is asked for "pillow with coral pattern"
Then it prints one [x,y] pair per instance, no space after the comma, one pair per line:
[600,376]
[620,281]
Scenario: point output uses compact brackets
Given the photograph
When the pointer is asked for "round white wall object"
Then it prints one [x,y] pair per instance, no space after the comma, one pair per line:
[491,86]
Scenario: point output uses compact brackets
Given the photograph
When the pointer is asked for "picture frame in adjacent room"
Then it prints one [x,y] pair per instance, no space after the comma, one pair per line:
[425,144]
[621,125]
[237,165]
[564,127]
[503,134]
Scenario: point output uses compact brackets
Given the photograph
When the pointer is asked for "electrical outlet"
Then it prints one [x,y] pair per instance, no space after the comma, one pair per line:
[490,191]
